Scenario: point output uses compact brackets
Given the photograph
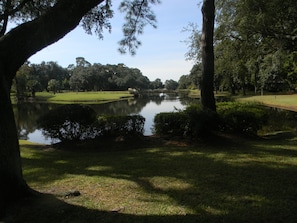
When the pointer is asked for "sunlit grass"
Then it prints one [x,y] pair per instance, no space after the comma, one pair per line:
[80,97]
[197,94]
[286,101]
[246,181]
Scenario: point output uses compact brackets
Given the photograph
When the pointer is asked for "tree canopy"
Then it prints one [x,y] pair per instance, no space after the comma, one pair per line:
[254,45]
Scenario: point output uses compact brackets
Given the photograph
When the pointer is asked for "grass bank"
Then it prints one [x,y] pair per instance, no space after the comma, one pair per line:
[288,102]
[226,180]
[82,97]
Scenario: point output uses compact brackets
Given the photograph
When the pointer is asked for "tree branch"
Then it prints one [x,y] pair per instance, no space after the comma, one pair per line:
[30,37]
[8,12]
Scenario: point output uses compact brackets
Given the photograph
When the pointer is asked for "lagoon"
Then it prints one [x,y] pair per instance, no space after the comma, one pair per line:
[26,114]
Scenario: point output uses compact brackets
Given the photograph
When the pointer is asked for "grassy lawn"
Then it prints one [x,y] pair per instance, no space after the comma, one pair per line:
[197,94]
[80,97]
[288,102]
[228,181]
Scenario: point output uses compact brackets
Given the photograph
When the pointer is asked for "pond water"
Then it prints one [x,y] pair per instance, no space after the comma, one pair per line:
[26,114]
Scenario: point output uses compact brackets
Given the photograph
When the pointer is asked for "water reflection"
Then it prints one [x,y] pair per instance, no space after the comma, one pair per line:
[26,114]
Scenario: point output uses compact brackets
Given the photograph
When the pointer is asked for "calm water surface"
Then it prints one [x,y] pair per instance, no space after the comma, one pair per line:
[26,114]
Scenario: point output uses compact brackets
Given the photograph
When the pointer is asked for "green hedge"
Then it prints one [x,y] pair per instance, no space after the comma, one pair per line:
[192,122]
[245,118]
[172,123]
[116,125]
[232,117]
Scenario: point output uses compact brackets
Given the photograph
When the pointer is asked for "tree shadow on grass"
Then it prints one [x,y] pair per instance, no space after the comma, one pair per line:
[48,209]
[237,182]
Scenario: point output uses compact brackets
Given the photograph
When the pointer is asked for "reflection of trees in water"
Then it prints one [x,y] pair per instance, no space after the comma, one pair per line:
[124,107]
[188,101]
[26,114]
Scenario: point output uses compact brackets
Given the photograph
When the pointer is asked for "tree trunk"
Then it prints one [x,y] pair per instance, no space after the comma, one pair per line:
[10,162]
[207,80]
[15,48]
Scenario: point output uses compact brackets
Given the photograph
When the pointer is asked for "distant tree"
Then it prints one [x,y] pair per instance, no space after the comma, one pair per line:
[195,74]
[142,82]
[54,85]
[290,67]
[78,81]
[184,82]
[33,85]
[81,62]
[157,84]
[262,35]
[171,84]
[193,43]
[45,71]
[21,79]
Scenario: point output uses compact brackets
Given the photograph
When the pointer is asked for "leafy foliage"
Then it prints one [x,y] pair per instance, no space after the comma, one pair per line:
[138,15]
[255,43]
[120,125]
[201,122]
[192,122]
[243,118]
[170,123]
[171,84]
[83,76]
[234,117]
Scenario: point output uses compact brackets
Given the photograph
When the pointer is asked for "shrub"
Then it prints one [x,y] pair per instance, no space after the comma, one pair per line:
[68,122]
[172,123]
[238,117]
[192,122]
[116,125]
[200,122]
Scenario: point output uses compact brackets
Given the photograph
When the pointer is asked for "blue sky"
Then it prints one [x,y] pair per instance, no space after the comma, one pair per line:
[161,54]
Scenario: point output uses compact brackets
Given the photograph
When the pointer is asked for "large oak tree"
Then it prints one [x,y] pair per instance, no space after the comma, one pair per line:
[41,23]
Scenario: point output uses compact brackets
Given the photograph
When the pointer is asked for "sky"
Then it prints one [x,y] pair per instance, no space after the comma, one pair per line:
[161,55]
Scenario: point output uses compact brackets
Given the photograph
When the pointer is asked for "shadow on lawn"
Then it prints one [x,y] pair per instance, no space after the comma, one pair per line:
[235,182]
[49,209]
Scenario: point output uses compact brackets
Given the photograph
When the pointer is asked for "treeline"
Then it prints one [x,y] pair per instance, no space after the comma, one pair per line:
[83,76]
[255,47]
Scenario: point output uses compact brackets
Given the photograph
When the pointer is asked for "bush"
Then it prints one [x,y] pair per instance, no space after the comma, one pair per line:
[234,117]
[68,122]
[115,125]
[192,122]
[200,122]
[172,123]
[246,118]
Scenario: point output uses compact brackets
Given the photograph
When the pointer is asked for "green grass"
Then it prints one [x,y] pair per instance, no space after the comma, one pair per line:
[238,181]
[197,94]
[82,97]
[288,102]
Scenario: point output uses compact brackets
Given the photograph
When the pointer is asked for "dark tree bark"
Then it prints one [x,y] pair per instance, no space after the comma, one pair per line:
[15,48]
[207,80]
